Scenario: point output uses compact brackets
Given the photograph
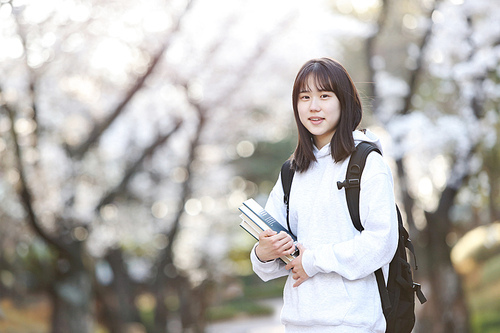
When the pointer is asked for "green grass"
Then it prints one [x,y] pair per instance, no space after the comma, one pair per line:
[240,307]
[248,304]
[485,322]
[254,288]
[483,297]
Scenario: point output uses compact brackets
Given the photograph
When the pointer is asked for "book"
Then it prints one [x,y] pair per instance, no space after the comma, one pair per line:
[252,231]
[262,217]
[252,219]
[251,228]
[255,219]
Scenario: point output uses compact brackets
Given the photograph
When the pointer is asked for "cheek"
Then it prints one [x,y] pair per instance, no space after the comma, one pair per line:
[337,114]
[335,111]
[302,115]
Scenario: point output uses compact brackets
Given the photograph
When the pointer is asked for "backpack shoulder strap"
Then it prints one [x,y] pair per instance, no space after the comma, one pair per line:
[353,179]
[287,173]
[352,185]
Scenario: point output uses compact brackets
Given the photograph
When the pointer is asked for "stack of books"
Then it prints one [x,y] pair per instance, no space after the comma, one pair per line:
[256,219]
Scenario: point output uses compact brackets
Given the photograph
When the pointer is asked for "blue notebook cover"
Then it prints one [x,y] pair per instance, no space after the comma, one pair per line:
[266,217]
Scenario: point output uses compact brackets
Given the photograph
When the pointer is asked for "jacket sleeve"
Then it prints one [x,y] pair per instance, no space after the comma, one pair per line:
[375,246]
[276,208]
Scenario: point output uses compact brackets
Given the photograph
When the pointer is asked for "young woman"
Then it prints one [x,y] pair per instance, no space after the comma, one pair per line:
[331,286]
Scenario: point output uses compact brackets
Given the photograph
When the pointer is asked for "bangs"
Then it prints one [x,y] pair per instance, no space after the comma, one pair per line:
[321,79]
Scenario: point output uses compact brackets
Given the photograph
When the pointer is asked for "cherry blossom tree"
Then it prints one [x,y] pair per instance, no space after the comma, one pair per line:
[441,113]
[118,121]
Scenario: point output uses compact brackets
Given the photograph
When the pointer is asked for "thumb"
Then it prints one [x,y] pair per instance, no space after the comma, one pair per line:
[301,247]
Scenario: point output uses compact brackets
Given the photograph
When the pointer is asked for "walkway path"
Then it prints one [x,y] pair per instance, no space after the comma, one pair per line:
[269,324]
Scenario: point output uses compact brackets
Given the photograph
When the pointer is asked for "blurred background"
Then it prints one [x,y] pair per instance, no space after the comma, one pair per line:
[130,132]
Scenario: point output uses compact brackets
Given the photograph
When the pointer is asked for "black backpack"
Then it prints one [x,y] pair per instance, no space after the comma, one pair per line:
[398,298]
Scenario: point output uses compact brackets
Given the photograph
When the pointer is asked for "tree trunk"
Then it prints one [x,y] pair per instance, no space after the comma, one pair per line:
[446,310]
[194,303]
[160,290]
[117,301]
[71,296]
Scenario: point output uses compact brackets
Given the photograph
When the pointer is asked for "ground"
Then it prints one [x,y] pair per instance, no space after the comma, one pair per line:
[268,324]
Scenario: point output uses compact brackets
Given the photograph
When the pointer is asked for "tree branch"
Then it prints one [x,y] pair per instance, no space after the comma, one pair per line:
[415,74]
[134,167]
[100,128]
[32,75]
[24,193]
[370,51]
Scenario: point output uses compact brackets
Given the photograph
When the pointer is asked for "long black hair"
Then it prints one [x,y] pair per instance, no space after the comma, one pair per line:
[329,75]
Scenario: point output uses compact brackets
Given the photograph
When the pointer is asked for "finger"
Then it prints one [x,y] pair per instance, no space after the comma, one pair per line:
[279,245]
[290,250]
[268,233]
[280,248]
[283,236]
[298,282]
[286,247]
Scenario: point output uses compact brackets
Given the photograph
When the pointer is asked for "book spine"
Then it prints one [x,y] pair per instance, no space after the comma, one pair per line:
[262,213]
[266,217]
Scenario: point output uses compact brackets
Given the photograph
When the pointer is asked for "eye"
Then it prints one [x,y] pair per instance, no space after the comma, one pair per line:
[324,96]
[304,97]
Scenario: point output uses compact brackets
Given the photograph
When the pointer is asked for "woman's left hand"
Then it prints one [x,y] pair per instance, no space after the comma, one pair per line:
[299,274]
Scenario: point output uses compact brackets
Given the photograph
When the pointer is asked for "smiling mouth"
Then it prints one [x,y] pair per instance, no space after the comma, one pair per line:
[316,120]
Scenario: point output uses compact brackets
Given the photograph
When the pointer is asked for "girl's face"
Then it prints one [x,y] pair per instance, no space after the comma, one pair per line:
[319,112]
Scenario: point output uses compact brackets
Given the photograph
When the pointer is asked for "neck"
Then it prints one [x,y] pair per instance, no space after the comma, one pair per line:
[320,143]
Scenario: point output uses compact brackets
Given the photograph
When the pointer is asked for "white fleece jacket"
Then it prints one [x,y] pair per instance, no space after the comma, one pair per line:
[341,294]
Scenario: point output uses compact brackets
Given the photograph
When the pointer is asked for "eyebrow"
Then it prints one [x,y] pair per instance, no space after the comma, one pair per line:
[307,90]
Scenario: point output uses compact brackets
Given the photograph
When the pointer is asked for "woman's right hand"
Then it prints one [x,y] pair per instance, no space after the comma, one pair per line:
[272,245]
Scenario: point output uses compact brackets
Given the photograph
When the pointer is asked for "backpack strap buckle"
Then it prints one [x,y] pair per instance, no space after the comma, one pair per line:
[348,183]
[352,177]
[417,288]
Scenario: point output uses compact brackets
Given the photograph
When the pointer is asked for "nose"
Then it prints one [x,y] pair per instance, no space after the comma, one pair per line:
[315,104]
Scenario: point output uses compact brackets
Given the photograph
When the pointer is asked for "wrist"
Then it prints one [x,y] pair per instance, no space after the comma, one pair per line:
[259,257]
